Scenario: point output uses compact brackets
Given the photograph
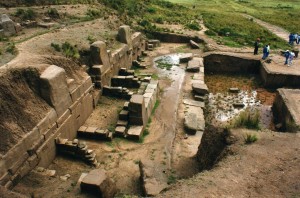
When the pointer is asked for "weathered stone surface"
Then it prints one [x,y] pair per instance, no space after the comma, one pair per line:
[97,183]
[137,110]
[153,179]
[124,35]
[194,120]
[99,55]
[199,88]
[234,90]
[120,131]
[135,132]
[200,98]
[194,103]
[184,58]
[54,89]
[238,105]
[194,65]
[8,25]
[122,123]
[154,42]
[123,115]
[194,45]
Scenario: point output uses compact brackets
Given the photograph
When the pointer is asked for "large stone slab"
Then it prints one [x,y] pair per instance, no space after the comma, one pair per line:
[184,58]
[135,132]
[194,120]
[194,45]
[137,110]
[97,182]
[54,89]
[194,65]
[153,179]
[99,55]
[200,88]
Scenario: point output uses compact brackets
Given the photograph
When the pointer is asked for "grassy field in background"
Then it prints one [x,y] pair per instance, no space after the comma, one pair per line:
[222,16]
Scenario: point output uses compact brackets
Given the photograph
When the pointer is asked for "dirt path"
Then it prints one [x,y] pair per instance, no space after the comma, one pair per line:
[280,32]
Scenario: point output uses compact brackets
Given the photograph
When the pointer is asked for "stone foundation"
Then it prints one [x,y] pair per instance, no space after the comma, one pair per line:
[286,110]
[71,105]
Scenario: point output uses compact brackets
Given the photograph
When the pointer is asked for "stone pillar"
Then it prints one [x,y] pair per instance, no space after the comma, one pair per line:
[54,89]
[99,55]
[124,35]
[137,110]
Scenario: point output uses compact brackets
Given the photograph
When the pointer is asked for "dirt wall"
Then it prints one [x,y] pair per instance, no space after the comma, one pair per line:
[175,38]
[213,147]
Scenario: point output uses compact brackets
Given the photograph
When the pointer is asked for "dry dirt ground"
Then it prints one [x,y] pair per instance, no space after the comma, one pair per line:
[267,168]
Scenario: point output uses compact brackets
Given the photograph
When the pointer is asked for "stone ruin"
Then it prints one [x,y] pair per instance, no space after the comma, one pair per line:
[8,27]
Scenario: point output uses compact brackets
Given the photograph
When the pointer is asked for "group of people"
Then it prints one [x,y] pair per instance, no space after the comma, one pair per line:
[294,38]
[266,49]
[289,55]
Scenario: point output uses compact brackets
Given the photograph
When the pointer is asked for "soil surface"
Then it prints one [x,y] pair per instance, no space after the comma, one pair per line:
[262,169]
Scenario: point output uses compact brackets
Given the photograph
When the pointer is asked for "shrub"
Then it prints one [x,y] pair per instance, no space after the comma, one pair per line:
[93,13]
[56,47]
[210,33]
[159,20]
[70,51]
[28,14]
[193,25]
[250,138]
[11,48]
[53,13]
[91,39]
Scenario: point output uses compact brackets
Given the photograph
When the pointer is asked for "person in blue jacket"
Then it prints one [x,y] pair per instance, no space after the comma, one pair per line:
[286,55]
[291,39]
[265,52]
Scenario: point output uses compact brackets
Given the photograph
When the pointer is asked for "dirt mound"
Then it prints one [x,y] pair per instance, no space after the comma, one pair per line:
[21,107]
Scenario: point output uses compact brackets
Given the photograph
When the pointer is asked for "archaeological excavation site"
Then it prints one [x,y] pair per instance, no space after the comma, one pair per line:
[144,99]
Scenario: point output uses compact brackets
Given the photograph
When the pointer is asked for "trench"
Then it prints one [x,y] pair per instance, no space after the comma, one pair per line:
[168,67]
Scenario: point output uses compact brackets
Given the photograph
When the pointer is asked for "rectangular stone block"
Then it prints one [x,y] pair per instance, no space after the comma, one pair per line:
[47,121]
[76,93]
[120,131]
[50,131]
[135,132]
[19,162]
[5,178]
[124,115]
[24,170]
[32,150]
[68,128]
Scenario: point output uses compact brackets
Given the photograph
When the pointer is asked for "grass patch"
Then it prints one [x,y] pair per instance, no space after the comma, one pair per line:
[171,179]
[155,107]
[11,48]
[248,119]
[250,138]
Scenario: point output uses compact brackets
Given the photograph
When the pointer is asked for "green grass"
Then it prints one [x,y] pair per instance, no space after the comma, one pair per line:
[225,16]
[250,138]
[248,119]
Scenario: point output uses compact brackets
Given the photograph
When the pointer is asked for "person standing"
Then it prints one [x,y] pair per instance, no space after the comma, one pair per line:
[265,51]
[256,46]
[287,56]
[291,57]
[291,39]
[268,50]
[298,41]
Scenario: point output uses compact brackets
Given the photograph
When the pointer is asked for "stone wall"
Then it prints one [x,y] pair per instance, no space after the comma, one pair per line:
[230,63]
[71,105]
[285,110]
[276,80]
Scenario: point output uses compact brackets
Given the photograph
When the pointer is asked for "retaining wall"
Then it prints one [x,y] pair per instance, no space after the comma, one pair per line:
[276,80]
[72,105]
[286,110]
[228,63]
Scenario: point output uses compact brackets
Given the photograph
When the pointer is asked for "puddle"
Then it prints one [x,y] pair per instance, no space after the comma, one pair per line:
[223,107]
